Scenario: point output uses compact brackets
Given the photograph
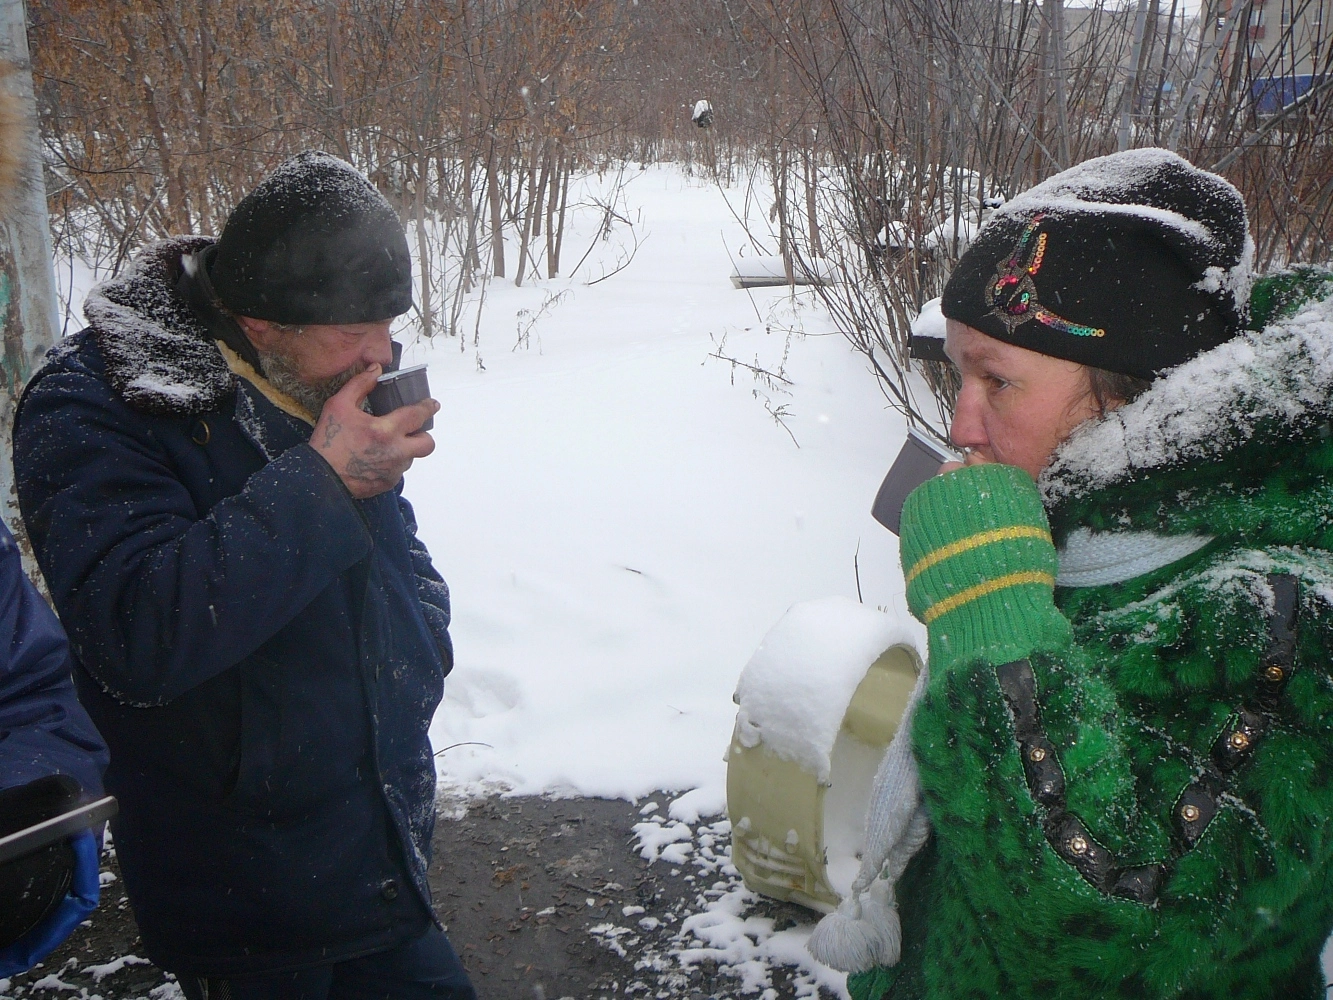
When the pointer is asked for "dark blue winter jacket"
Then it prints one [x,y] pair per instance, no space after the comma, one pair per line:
[44,731]
[262,651]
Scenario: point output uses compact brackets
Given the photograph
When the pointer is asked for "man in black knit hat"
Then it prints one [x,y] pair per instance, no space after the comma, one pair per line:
[255,627]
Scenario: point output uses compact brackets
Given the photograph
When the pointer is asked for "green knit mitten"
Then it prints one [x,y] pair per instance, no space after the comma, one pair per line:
[980,566]
[871,985]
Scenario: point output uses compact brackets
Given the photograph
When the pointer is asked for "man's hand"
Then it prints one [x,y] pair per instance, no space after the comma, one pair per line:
[369,453]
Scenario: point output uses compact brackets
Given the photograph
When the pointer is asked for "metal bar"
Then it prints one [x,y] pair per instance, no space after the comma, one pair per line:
[33,838]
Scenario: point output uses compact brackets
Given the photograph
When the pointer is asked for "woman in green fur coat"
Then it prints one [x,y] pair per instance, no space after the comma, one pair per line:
[1125,747]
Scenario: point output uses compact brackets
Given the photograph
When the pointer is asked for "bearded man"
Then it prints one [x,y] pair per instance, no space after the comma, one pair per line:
[255,627]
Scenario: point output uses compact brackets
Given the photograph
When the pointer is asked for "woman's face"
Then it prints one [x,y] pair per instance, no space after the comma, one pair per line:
[1016,406]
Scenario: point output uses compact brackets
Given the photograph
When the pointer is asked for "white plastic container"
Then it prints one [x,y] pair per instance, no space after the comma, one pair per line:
[819,702]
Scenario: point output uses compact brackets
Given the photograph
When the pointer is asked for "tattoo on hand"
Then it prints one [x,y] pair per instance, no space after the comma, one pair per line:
[331,430]
[374,467]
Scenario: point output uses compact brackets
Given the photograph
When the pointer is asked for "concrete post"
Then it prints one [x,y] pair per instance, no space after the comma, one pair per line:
[27,276]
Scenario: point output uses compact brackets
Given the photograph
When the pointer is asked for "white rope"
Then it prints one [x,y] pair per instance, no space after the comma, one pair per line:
[864,931]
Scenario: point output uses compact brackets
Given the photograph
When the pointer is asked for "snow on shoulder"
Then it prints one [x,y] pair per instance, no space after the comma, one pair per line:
[794,692]
[1208,406]
[158,354]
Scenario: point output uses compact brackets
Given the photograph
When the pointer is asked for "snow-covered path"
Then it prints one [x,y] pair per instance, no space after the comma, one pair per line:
[621,520]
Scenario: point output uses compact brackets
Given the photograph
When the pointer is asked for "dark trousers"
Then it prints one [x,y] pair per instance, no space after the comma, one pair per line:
[424,969]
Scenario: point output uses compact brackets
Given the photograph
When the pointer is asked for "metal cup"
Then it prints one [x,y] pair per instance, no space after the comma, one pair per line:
[919,459]
[399,389]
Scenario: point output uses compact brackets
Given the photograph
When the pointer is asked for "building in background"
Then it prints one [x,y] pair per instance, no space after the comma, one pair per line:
[1283,46]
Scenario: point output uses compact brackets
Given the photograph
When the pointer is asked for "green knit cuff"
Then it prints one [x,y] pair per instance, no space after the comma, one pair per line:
[980,566]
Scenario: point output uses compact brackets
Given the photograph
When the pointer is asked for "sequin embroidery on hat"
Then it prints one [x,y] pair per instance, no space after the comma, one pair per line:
[1012,294]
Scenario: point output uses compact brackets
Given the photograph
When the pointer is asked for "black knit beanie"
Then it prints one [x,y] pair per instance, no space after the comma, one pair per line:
[1133,262]
[313,243]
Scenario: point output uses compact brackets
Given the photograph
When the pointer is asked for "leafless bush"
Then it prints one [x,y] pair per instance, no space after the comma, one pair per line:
[875,132]
[470,117]
[926,110]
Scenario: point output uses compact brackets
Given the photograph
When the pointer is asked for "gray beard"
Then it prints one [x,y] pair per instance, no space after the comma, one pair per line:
[281,372]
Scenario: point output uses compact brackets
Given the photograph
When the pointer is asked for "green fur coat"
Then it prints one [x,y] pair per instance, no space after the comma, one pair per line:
[1126,746]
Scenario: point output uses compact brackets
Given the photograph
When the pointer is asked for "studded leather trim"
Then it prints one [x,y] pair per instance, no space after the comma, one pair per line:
[1196,807]
[1234,744]
[1198,802]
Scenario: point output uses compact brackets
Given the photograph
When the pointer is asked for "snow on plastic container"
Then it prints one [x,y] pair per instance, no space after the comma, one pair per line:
[819,702]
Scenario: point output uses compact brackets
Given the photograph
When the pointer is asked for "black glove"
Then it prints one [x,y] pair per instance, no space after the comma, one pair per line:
[34,885]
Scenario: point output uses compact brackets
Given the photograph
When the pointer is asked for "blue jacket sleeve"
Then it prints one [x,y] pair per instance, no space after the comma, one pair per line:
[431,588]
[43,728]
[158,596]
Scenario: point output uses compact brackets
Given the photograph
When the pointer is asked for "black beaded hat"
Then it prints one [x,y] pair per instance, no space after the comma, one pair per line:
[1133,262]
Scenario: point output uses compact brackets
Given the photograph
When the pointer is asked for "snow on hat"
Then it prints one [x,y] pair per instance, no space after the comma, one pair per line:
[313,243]
[1133,262]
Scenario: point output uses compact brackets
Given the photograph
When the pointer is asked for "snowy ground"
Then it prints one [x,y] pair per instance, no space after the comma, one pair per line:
[720,925]
[621,519]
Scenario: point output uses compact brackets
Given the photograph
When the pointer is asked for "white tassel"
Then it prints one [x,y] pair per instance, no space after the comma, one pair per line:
[864,931]
[861,933]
